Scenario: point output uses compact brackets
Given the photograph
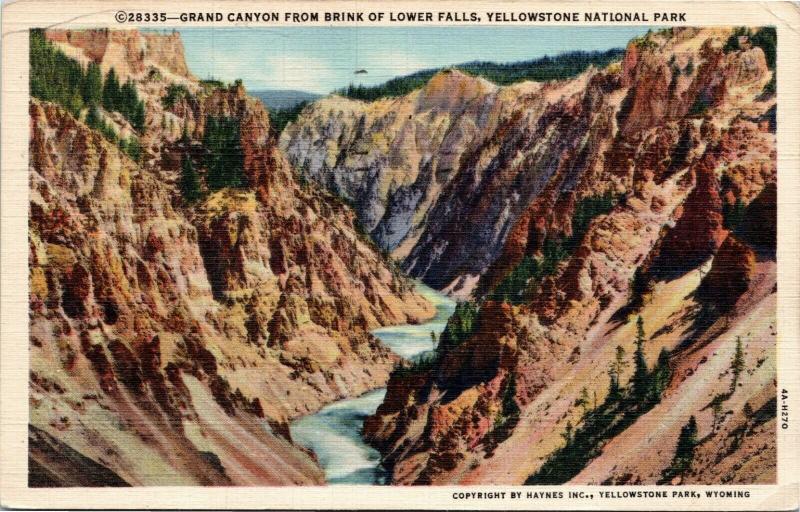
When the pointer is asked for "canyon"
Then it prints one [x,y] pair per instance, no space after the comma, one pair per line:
[619,186]
[629,210]
[171,343]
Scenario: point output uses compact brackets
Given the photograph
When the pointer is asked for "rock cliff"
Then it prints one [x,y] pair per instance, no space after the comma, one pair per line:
[130,52]
[670,141]
[438,182]
[171,341]
[444,175]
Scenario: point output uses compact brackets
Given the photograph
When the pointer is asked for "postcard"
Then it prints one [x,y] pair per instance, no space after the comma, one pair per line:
[400,255]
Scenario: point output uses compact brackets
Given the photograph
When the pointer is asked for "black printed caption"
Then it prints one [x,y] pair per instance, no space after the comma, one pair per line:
[140,17]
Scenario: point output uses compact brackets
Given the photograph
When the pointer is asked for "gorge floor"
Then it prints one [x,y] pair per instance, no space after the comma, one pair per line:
[334,432]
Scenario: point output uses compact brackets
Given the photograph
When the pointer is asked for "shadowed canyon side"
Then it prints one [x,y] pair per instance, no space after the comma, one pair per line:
[199,282]
[440,175]
[607,230]
[188,296]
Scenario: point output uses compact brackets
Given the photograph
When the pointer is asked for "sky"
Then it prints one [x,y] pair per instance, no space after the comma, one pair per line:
[322,59]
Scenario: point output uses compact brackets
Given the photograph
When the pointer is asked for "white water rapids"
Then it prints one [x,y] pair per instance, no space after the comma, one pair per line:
[334,433]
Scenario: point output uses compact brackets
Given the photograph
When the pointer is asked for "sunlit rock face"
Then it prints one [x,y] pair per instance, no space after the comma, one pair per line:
[463,189]
[172,341]
[442,177]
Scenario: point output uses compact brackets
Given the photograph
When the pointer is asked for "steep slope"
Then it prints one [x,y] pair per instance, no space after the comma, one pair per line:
[631,220]
[171,341]
[440,175]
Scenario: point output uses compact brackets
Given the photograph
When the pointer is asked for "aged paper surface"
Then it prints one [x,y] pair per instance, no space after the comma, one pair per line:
[455,255]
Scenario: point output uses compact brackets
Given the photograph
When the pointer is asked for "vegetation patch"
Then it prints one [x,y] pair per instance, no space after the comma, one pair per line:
[517,286]
[123,99]
[210,84]
[460,326]
[189,182]
[423,363]
[224,159]
[175,93]
[279,118]
[547,68]
[765,38]
[621,408]
[60,79]
[733,214]
[132,148]
[699,107]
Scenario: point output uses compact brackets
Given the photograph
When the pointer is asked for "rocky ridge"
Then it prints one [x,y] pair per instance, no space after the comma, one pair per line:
[678,134]
[171,343]
[440,175]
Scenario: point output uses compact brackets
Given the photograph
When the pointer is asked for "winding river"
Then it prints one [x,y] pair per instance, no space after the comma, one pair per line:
[334,433]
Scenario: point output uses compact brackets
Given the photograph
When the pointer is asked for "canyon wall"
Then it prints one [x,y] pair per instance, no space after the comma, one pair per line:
[674,139]
[610,229]
[171,341]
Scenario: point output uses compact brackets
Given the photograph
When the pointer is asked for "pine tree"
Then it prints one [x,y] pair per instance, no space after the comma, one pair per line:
[613,383]
[737,364]
[615,371]
[641,377]
[659,380]
[224,160]
[128,104]
[716,411]
[138,117]
[132,148]
[190,183]
[93,85]
[567,434]
[684,452]
[127,98]
[111,91]
[687,440]
[93,119]
[509,402]
[75,104]
[583,400]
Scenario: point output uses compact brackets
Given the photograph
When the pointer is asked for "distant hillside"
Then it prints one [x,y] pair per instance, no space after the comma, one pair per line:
[284,105]
[283,99]
[546,68]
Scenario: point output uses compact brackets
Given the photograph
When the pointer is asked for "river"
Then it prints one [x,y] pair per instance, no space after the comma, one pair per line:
[334,433]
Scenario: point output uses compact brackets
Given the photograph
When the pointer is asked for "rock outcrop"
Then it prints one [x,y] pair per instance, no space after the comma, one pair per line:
[438,176]
[171,342]
[130,52]
[446,185]
[191,333]
[674,134]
